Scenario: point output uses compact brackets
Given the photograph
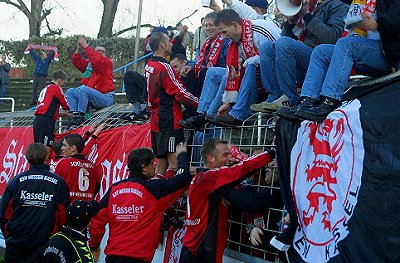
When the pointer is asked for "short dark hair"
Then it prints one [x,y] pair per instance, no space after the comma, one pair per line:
[36,153]
[137,158]
[179,56]
[57,146]
[59,74]
[75,139]
[209,147]
[212,15]
[155,39]
[227,17]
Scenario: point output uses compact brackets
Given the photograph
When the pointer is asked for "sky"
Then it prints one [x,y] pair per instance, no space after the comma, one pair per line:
[84,16]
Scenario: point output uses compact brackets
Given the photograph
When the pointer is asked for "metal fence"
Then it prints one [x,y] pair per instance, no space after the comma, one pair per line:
[256,134]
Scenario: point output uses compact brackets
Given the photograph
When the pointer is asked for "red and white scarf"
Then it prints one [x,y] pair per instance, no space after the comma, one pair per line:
[300,28]
[42,47]
[235,69]
[214,46]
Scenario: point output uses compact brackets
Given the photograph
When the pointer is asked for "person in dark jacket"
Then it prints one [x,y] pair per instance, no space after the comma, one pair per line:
[32,209]
[40,73]
[4,76]
[134,208]
[70,243]
[374,53]
[284,63]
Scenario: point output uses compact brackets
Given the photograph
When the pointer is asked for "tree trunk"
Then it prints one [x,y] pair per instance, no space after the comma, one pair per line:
[107,20]
[35,18]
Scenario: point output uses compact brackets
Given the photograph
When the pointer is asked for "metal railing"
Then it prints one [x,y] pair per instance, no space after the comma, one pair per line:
[125,69]
[12,102]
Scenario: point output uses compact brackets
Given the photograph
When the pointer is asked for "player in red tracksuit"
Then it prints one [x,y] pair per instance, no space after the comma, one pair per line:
[166,95]
[47,109]
[207,216]
[134,208]
[82,176]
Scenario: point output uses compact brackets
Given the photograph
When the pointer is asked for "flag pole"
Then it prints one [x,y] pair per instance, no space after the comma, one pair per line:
[137,37]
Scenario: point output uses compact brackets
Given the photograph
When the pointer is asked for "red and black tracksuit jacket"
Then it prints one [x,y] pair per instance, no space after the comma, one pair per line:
[33,207]
[134,208]
[82,177]
[49,101]
[206,216]
[166,93]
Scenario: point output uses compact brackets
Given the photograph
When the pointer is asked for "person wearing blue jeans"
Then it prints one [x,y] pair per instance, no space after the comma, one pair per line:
[210,99]
[283,64]
[330,69]
[78,98]
[247,95]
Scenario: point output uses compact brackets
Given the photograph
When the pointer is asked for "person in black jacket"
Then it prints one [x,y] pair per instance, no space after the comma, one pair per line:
[32,208]
[70,243]
[374,53]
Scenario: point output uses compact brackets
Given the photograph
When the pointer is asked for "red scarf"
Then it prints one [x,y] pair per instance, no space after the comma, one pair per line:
[234,66]
[301,27]
[214,47]
[42,47]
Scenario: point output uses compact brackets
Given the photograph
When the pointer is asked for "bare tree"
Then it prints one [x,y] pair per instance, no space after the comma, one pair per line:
[107,20]
[35,16]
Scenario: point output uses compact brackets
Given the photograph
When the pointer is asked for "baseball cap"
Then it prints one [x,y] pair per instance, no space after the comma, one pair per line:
[257,3]
[80,212]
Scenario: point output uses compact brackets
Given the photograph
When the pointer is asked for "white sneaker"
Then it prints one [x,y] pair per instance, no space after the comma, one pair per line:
[282,101]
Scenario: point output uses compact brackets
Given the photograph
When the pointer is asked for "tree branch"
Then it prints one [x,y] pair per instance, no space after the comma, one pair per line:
[129,29]
[52,32]
[22,7]
[45,13]
[187,16]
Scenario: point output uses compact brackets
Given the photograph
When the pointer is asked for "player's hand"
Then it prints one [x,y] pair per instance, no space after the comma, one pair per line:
[99,129]
[96,254]
[255,236]
[180,148]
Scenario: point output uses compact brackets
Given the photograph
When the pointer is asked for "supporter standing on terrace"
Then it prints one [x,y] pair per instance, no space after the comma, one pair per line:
[47,110]
[166,93]
[134,208]
[40,72]
[33,207]
[97,88]
[207,216]
[4,76]
[82,176]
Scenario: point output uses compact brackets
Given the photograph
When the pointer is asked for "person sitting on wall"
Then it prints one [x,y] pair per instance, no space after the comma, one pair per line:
[97,88]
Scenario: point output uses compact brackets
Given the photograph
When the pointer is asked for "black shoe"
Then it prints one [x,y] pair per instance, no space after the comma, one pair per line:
[77,120]
[210,118]
[320,112]
[143,116]
[227,120]
[194,122]
[289,113]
